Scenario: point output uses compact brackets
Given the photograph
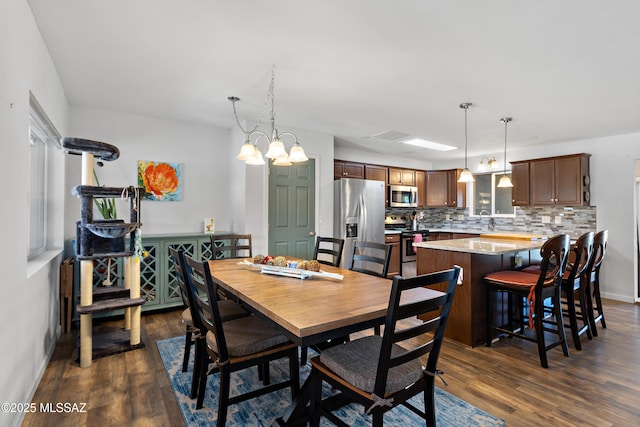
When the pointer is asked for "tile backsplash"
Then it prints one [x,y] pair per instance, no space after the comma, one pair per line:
[547,220]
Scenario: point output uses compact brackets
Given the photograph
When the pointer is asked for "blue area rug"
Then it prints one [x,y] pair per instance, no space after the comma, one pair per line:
[261,411]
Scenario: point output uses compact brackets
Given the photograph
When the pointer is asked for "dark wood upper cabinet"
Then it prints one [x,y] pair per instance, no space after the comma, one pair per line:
[376,173]
[343,169]
[520,179]
[444,190]
[437,188]
[457,190]
[562,180]
[402,177]
[421,183]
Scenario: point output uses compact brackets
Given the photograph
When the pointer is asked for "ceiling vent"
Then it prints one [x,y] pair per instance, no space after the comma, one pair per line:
[391,135]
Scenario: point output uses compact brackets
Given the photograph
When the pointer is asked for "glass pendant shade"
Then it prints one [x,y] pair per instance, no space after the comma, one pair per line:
[246,151]
[505,182]
[282,161]
[297,154]
[466,176]
[276,150]
[256,159]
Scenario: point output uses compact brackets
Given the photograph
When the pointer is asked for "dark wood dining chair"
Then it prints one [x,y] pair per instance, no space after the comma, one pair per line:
[236,344]
[328,250]
[536,288]
[231,245]
[195,331]
[377,372]
[592,281]
[371,258]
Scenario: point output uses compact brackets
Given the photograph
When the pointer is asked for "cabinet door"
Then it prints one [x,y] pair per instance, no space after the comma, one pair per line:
[342,169]
[408,177]
[421,183]
[376,173]
[171,288]
[457,191]
[568,180]
[437,188]
[395,176]
[394,263]
[520,178]
[542,182]
[151,273]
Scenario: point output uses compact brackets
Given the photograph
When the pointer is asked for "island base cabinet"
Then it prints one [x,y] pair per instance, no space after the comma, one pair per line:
[467,320]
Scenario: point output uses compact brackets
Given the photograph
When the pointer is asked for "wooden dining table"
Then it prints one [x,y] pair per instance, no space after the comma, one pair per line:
[312,310]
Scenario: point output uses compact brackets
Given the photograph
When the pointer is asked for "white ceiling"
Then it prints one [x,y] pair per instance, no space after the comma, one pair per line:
[564,70]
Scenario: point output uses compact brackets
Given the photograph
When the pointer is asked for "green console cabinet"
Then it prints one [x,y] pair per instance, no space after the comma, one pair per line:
[158,282]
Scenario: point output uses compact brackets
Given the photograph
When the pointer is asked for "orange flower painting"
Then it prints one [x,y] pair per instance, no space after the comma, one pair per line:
[161,180]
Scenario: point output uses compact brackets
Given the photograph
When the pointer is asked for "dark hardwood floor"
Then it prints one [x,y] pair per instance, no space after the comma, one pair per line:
[598,386]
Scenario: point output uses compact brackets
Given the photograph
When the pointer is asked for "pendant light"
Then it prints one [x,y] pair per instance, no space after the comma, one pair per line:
[465,175]
[505,181]
[249,152]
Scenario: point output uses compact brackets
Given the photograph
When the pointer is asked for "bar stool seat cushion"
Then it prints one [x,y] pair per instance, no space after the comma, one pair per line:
[515,278]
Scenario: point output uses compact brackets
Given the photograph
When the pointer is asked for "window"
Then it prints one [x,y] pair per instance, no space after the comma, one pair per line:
[487,198]
[43,138]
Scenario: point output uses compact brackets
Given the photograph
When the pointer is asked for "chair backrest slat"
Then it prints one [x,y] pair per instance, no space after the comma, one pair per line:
[371,258]
[599,249]
[583,250]
[231,245]
[328,250]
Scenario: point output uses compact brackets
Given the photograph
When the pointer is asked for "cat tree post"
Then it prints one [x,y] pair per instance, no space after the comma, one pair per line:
[86,280]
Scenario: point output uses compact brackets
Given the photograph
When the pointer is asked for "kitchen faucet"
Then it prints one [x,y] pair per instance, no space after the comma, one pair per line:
[492,221]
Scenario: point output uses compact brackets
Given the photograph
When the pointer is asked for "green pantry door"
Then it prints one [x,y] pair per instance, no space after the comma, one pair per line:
[292,209]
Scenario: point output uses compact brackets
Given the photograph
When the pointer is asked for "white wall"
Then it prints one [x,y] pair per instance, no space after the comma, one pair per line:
[29,304]
[203,151]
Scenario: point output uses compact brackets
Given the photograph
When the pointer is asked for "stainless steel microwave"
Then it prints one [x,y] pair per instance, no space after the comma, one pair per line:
[402,196]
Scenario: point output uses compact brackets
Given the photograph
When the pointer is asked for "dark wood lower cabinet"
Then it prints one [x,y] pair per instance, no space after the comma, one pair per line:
[394,264]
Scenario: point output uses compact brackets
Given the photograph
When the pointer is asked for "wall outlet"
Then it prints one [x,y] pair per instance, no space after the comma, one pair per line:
[545,219]
[447,217]
[460,217]
[557,219]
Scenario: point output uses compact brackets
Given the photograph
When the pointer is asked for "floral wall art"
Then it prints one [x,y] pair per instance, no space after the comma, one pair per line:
[162,181]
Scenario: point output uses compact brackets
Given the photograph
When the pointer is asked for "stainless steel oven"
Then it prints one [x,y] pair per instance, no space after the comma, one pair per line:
[408,253]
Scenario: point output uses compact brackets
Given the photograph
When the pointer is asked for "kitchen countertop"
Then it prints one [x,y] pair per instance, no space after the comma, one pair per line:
[480,245]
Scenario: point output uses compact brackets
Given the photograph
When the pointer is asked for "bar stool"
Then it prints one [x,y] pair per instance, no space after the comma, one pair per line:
[592,282]
[536,288]
[573,284]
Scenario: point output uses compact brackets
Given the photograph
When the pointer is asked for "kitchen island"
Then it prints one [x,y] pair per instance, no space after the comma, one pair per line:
[477,256]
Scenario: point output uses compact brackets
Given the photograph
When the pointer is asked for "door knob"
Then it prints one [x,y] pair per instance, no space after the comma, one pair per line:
[312,233]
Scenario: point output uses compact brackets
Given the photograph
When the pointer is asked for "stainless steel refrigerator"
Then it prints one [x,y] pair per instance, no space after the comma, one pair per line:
[358,213]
